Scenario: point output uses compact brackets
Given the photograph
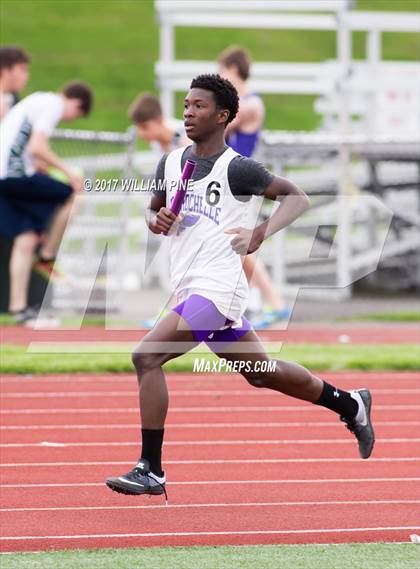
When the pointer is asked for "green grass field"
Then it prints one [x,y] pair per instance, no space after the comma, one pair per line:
[100,358]
[405,316]
[348,556]
[114,44]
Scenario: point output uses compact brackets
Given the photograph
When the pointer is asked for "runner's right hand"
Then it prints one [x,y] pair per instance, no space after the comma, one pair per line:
[165,218]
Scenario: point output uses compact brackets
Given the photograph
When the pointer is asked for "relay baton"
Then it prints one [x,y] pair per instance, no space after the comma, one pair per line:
[186,175]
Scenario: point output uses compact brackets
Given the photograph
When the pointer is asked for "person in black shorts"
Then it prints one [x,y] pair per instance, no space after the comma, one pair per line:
[28,199]
[206,244]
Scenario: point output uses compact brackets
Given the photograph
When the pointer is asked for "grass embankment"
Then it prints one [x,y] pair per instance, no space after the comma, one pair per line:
[115,51]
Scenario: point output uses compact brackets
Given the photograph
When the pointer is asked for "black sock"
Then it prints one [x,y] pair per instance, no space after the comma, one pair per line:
[151,450]
[339,401]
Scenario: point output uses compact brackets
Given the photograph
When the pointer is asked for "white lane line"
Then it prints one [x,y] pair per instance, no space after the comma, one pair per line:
[214,461]
[175,393]
[223,505]
[210,533]
[189,377]
[216,408]
[218,482]
[208,443]
[293,424]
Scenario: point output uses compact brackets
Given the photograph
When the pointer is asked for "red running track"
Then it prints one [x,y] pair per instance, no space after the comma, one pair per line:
[244,466]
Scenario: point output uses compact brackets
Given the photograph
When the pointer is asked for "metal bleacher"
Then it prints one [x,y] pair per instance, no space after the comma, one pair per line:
[366,150]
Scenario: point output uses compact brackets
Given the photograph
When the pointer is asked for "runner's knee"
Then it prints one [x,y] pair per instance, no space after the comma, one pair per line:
[256,379]
[265,378]
[143,361]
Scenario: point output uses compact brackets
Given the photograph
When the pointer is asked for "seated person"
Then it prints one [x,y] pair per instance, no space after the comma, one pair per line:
[29,199]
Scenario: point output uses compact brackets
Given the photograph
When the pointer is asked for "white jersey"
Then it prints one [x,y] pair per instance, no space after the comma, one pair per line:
[6,103]
[40,112]
[201,257]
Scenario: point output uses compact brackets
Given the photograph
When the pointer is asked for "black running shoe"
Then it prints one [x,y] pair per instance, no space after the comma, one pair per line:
[140,480]
[361,425]
[27,316]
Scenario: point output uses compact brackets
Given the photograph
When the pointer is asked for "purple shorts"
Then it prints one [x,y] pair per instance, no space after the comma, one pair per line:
[205,320]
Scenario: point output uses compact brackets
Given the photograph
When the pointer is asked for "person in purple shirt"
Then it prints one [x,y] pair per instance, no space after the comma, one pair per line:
[242,134]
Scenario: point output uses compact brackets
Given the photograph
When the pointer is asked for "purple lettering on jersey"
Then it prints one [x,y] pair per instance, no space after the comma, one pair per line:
[186,206]
[204,210]
[196,203]
[200,209]
[209,214]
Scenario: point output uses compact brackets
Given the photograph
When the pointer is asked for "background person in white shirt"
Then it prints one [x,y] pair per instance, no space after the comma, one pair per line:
[14,74]
[162,133]
[28,199]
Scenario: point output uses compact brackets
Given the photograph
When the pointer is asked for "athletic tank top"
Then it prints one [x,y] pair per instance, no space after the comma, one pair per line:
[201,257]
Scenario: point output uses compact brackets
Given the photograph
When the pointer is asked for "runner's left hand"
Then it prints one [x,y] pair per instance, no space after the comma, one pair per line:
[246,241]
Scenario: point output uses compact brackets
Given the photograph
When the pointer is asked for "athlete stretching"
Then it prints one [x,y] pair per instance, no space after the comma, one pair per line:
[206,245]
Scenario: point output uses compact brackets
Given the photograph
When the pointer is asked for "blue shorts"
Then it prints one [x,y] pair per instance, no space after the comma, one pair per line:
[206,322]
[28,203]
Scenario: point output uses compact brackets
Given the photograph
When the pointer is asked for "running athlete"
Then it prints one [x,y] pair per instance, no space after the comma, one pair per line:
[206,245]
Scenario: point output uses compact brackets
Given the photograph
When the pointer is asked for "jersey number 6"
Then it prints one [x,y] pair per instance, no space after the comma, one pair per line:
[212,194]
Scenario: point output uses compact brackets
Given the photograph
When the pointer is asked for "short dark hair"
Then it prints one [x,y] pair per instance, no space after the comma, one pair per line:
[12,55]
[224,92]
[144,108]
[239,56]
[79,90]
